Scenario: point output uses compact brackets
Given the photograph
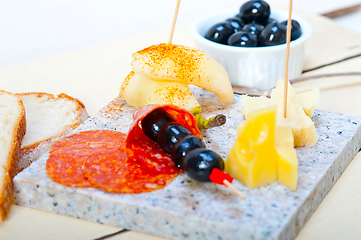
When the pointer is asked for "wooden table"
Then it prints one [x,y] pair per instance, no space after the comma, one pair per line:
[94,75]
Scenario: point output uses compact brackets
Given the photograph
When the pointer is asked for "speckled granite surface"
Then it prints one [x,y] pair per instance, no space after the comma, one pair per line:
[187,209]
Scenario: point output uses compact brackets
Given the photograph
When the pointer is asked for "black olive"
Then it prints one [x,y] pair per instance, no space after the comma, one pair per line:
[154,121]
[295,29]
[243,39]
[268,21]
[254,28]
[238,15]
[183,146]
[236,23]
[273,34]
[220,32]
[170,134]
[254,11]
[199,163]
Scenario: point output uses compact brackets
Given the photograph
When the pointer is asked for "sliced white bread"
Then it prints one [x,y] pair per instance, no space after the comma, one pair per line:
[12,131]
[48,117]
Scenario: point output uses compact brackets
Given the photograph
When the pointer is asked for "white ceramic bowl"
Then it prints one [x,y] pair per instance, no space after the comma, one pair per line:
[257,67]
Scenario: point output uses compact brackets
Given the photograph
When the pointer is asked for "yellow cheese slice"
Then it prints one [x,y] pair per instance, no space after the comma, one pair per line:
[309,100]
[299,109]
[252,103]
[303,128]
[263,152]
[252,158]
[287,162]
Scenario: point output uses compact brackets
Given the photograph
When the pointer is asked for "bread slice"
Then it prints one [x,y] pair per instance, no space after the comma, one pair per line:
[12,131]
[48,117]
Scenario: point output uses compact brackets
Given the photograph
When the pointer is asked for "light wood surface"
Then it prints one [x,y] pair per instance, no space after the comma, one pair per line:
[94,75]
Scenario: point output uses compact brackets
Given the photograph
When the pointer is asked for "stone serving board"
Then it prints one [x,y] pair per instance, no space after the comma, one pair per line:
[187,209]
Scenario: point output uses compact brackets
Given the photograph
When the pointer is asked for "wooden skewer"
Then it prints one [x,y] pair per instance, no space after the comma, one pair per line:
[288,40]
[226,182]
[235,190]
[174,21]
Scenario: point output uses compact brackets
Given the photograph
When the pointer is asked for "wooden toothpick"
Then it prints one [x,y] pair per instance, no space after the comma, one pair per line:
[235,190]
[174,21]
[288,40]
[219,177]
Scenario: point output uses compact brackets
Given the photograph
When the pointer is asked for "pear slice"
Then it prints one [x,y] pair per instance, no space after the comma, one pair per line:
[171,62]
[139,91]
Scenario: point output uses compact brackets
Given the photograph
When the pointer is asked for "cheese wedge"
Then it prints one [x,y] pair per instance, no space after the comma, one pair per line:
[287,162]
[309,100]
[263,152]
[303,128]
[252,103]
[252,158]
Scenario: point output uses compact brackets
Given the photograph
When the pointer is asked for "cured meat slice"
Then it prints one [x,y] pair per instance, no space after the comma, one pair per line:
[180,115]
[150,154]
[149,169]
[114,171]
[114,161]
[183,117]
[68,173]
[137,143]
[98,159]
[68,154]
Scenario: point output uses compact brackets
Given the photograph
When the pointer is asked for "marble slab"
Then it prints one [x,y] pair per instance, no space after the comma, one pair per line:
[187,209]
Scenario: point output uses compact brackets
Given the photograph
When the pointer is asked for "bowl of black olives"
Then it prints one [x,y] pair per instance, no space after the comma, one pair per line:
[250,42]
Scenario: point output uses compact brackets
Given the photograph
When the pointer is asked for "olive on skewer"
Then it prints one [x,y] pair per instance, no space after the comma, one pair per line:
[170,134]
[183,146]
[188,151]
[154,121]
[200,162]
[196,162]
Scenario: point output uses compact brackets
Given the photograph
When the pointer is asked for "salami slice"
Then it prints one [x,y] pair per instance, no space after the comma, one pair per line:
[114,171]
[98,159]
[116,162]
[68,173]
[150,154]
[68,154]
[181,116]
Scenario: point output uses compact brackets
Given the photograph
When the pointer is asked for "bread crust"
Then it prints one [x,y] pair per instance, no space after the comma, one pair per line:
[7,196]
[32,152]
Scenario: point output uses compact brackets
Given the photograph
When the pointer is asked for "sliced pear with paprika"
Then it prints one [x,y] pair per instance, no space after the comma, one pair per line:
[139,91]
[171,62]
